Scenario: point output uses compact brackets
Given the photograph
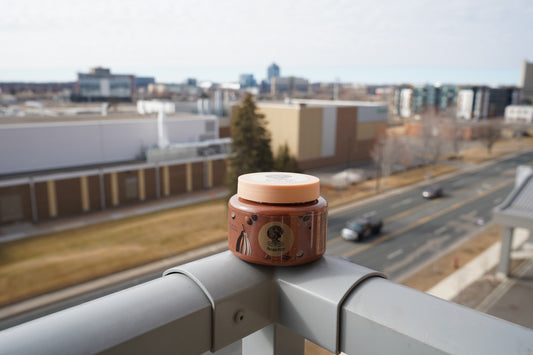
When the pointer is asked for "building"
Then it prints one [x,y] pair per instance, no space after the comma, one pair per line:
[519,114]
[73,166]
[526,82]
[247,81]
[478,102]
[410,100]
[143,82]
[101,85]
[273,71]
[323,133]
[288,85]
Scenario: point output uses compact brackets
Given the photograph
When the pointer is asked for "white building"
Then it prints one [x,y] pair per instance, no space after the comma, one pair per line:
[56,145]
[519,114]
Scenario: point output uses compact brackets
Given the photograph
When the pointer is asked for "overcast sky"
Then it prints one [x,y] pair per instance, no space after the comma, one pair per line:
[481,41]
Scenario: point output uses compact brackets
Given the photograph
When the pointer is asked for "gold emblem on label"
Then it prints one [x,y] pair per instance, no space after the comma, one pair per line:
[275,238]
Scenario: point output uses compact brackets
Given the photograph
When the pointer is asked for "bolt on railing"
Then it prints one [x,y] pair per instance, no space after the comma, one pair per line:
[212,302]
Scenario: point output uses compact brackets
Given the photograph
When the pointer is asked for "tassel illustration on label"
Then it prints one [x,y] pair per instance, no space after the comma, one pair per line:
[243,244]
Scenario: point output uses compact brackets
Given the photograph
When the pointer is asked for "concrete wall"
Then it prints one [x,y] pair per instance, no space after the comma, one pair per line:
[34,147]
[329,131]
[284,126]
[310,135]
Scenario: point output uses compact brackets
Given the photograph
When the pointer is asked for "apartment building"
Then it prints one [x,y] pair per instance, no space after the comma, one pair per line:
[478,102]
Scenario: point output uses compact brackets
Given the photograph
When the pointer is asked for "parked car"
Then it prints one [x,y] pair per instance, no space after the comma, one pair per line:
[360,228]
[432,191]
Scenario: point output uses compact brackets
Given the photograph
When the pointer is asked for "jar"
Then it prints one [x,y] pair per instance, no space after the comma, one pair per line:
[277,219]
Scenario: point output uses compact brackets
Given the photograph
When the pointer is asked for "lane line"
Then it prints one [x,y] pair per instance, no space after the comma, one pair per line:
[370,214]
[394,254]
[440,230]
[425,219]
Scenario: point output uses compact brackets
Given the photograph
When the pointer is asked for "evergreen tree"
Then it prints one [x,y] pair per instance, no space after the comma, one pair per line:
[284,161]
[251,144]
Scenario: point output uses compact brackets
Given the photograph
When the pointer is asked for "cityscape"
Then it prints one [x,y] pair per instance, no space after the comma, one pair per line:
[123,141]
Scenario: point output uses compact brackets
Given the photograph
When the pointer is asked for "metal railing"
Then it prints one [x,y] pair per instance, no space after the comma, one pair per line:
[210,303]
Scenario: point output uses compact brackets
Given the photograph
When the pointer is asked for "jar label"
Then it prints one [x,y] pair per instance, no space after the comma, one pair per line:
[275,238]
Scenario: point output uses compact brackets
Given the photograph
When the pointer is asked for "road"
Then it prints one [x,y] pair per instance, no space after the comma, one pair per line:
[415,230]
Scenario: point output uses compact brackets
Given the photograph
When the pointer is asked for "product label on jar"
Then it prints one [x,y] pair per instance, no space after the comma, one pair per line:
[275,238]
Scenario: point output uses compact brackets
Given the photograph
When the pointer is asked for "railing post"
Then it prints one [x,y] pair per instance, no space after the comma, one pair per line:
[505,252]
[273,340]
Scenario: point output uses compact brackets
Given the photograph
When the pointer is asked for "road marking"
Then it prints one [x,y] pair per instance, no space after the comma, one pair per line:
[402,202]
[394,254]
[440,230]
[431,245]
[370,214]
[424,220]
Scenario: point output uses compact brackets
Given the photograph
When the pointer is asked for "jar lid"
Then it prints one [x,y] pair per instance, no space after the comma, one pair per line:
[278,187]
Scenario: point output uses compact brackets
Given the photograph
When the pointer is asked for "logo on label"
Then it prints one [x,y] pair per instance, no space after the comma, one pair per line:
[275,238]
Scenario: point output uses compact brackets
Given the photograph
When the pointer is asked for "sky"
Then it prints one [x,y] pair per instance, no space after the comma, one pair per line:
[373,42]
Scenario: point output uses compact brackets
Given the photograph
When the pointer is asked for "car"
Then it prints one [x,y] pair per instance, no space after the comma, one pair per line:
[432,191]
[360,228]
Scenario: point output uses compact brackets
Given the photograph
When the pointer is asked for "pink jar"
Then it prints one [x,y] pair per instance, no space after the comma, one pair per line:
[277,219]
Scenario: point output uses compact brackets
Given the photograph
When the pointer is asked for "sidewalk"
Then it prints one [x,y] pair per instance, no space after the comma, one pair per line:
[476,285]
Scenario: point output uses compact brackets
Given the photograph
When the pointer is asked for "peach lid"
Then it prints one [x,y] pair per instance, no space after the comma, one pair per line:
[278,187]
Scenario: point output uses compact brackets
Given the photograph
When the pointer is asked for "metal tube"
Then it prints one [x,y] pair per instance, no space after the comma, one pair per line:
[163,316]
[381,317]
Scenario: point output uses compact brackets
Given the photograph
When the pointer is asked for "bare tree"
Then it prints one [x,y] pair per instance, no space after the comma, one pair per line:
[489,132]
[430,143]
[519,130]
[387,154]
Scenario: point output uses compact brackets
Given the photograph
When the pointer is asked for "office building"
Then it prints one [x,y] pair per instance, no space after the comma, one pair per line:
[526,82]
[273,71]
[247,81]
[288,85]
[143,82]
[100,85]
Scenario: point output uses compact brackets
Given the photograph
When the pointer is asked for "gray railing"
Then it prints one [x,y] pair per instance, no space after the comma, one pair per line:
[210,303]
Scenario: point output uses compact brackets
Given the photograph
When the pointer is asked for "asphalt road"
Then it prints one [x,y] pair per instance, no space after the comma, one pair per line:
[417,230]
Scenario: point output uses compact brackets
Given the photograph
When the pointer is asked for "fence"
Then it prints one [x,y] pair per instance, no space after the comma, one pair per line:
[212,302]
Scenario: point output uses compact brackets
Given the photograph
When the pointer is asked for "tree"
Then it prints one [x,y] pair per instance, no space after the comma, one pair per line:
[429,145]
[251,144]
[489,133]
[285,161]
[387,153]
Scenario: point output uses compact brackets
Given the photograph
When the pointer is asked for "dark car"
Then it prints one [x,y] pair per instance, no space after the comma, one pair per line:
[432,191]
[360,228]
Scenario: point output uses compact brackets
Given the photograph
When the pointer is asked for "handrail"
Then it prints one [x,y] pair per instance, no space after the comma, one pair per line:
[215,301]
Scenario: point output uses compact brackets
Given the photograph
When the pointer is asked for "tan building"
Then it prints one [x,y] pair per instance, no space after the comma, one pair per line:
[321,133]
